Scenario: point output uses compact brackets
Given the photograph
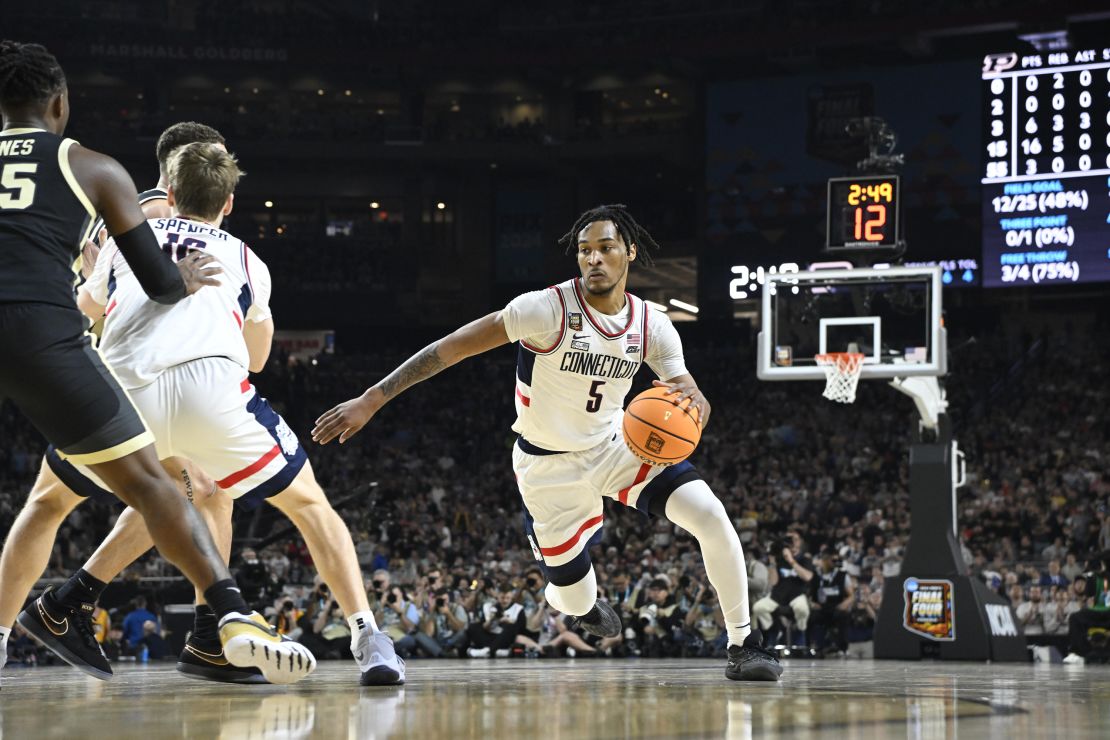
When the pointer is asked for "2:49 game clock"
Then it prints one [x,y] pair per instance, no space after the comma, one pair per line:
[864,213]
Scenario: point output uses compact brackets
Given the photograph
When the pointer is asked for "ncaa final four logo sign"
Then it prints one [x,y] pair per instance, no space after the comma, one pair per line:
[929,609]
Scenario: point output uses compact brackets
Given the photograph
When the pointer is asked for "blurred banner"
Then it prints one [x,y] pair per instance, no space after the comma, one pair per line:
[305,344]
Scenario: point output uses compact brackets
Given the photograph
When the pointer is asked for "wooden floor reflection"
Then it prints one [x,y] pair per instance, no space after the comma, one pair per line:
[571,699]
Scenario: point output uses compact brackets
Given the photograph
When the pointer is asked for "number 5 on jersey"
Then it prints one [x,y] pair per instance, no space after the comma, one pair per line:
[10,180]
[594,404]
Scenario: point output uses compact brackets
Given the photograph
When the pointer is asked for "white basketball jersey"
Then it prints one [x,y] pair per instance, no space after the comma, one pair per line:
[141,338]
[570,393]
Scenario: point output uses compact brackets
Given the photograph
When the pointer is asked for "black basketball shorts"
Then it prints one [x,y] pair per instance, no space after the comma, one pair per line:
[50,370]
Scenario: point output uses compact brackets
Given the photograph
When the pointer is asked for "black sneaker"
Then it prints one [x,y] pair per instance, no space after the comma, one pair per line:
[751,661]
[68,633]
[601,621]
[207,662]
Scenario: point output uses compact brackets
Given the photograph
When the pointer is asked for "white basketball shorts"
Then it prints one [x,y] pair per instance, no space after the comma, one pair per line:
[207,411]
[563,494]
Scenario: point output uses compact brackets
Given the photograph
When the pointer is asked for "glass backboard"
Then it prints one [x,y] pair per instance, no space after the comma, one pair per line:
[891,315]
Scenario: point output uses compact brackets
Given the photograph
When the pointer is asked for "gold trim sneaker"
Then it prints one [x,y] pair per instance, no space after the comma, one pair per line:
[207,661]
[250,641]
[68,633]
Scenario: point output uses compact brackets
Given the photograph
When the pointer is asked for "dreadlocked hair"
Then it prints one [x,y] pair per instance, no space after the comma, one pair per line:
[28,73]
[630,231]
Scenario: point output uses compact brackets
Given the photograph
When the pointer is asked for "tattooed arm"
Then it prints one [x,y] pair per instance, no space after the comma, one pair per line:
[346,419]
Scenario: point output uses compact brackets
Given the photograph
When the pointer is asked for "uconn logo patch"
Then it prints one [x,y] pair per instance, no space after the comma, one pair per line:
[286,438]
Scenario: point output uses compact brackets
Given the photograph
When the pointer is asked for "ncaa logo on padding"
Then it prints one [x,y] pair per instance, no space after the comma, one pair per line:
[1002,620]
[286,438]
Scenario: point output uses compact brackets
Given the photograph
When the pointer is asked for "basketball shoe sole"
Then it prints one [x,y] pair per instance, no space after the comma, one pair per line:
[249,641]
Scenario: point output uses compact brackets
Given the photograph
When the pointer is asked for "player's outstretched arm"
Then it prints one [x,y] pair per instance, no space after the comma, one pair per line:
[684,387]
[346,419]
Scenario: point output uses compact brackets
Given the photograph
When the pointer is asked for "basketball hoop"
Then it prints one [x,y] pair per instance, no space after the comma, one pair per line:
[842,371]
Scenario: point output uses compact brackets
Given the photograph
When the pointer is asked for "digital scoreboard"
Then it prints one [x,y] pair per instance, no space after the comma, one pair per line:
[863,213]
[1046,174]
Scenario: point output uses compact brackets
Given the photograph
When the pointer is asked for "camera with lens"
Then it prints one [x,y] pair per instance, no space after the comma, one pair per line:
[391,599]
[780,544]
[287,606]
[532,583]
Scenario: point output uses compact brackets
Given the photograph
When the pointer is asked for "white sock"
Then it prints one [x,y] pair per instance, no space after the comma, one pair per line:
[576,599]
[360,621]
[737,632]
[693,507]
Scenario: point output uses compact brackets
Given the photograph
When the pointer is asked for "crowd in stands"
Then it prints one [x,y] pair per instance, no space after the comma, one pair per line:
[428,493]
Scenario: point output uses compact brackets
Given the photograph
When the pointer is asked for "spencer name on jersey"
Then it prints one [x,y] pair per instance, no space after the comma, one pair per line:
[598,366]
[142,339]
[575,366]
[178,226]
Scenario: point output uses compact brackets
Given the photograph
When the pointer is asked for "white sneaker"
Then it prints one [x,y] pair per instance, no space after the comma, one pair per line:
[3,655]
[503,653]
[1074,659]
[377,660]
[249,640]
[478,652]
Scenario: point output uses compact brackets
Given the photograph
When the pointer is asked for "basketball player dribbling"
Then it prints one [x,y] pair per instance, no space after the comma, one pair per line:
[186,370]
[50,191]
[579,345]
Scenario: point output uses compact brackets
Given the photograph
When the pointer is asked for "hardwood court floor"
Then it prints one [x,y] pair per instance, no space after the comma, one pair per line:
[483,699]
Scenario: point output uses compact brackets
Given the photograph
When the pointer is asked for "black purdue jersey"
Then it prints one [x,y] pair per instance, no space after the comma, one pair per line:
[45,218]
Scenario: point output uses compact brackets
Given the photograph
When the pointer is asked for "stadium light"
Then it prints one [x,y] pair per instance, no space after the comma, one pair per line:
[683,305]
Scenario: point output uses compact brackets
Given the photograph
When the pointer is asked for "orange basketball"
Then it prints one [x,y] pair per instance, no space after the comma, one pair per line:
[658,431]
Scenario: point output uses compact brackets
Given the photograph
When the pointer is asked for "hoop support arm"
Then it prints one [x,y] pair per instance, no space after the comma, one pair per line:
[927,395]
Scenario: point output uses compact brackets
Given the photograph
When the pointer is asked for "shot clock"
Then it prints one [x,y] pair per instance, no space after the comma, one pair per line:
[863,213]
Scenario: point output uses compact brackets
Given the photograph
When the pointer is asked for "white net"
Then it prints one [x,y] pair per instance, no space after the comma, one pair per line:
[842,371]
